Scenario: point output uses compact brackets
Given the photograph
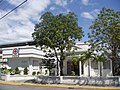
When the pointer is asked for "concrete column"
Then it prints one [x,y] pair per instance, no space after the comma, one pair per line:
[30,67]
[89,68]
[79,68]
[100,68]
[111,67]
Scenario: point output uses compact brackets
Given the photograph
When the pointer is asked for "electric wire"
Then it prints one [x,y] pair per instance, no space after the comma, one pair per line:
[13,9]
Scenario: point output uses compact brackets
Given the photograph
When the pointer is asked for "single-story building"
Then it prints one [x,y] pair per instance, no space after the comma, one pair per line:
[25,54]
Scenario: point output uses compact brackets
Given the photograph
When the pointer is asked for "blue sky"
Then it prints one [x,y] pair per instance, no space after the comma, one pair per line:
[19,25]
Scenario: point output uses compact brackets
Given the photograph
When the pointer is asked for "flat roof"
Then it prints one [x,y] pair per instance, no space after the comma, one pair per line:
[18,44]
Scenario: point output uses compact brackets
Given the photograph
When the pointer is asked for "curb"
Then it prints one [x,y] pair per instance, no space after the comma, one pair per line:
[61,86]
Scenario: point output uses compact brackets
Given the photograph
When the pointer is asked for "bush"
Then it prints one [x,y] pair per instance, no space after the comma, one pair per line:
[38,73]
[17,71]
[6,71]
[73,73]
[12,71]
[33,73]
[25,71]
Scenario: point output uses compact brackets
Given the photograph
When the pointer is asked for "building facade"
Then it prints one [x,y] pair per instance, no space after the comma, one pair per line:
[22,56]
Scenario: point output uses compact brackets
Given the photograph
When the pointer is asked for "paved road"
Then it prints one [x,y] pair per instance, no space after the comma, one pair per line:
[13,87]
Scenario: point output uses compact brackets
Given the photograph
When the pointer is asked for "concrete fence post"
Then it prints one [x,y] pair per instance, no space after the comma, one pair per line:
[61,79]
[7,77]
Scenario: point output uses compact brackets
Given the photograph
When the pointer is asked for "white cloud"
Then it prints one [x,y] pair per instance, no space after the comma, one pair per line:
[52,8]
[85,2]
[18,26]
[62,2]
[87,15]
[90,15]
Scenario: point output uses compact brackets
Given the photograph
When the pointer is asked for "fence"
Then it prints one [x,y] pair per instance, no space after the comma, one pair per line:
[76,80]
[16,77]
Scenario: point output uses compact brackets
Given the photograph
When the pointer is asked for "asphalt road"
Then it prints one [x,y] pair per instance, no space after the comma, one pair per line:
[13,87]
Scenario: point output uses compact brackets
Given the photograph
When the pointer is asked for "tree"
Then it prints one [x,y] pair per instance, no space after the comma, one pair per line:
[87,56]
[84,56]
[100,58]
[49,62]
[58,33]
[105,34]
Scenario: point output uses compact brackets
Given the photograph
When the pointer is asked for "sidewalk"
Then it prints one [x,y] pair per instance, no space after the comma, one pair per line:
[61,86]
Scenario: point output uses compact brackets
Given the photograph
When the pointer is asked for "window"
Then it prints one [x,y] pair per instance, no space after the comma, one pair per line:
[106,65]
[94,64]
[35,63]
[82,68]
[0,51]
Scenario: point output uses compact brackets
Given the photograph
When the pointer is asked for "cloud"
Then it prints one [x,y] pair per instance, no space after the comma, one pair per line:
[90,15]
[87,15]
[85,2]
[52,8]
[19,25]
[63,2]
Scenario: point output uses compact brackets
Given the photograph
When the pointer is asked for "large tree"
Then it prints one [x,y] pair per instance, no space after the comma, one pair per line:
[105,34]
[59,33]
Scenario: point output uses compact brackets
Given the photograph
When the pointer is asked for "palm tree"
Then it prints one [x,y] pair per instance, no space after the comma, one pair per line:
[87,56]
[100,58]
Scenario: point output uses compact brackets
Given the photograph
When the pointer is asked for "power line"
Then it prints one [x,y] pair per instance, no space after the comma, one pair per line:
[13,9]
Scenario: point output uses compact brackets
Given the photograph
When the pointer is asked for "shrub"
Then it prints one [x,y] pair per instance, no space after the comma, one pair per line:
[12,71]
[38,73]
[25,71]
[6,71]
[73,73]
[17,71]
[33,73]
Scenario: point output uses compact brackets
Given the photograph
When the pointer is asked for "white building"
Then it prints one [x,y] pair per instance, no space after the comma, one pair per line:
[27,55]
[22,55]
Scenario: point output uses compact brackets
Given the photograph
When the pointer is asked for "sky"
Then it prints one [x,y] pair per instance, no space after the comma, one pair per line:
[18,26]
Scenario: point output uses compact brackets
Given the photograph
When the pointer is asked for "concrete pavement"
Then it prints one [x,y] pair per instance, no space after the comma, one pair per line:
[61,86]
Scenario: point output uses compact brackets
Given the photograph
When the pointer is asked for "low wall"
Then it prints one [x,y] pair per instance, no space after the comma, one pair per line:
[76,80]
[16,77]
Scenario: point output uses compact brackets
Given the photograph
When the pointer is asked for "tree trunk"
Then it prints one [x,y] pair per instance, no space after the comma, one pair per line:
[61,68]
[88,67]
[114,54]
[100,69]
[113,67]
[56,55]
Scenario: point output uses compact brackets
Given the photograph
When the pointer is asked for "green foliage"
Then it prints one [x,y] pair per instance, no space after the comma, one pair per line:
[38,73]
[58,33]
[73,73]
[88,55]
[33,73]
[100,58]
[49,62]
[17,71]
[105,33]
[6,71]
[75,59]
[12,71]
[25,71]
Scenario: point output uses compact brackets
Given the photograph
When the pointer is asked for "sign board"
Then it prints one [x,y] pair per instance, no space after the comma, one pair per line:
[15,52]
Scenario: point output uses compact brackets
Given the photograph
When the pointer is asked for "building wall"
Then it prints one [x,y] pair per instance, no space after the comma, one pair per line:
[18,62]
[30,56]
[23,51]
